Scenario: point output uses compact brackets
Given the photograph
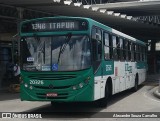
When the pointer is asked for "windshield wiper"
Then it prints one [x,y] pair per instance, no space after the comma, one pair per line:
[42,49]
[63,47]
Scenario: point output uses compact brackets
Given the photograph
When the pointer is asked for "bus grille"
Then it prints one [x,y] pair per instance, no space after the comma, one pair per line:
[51,76]
[48,87]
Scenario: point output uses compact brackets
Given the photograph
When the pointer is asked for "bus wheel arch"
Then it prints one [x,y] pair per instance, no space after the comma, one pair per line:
[110,85]
[108,92]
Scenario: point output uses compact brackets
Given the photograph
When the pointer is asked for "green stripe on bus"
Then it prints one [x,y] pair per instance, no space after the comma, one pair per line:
[141,65]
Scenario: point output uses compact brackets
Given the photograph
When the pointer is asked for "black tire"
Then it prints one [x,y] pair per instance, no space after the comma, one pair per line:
[104,101]
[54,104]
[135,88]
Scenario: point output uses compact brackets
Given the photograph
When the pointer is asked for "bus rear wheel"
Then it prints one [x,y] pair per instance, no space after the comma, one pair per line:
[104,101]
[135,88]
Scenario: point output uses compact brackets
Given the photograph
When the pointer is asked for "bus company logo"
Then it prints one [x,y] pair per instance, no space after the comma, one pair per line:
[128,68]
[108,67]
[51,86]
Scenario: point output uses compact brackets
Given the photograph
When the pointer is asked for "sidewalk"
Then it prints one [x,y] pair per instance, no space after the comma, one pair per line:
[156,79]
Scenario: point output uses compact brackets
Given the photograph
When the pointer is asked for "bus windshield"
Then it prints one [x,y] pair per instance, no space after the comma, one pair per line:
[56,53]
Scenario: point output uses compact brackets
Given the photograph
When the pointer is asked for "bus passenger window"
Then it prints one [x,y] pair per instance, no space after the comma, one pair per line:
[124,50]
[137,53]
[99,42]
[129,50]
[121,48]
[99,50]
[134,46]
[110,47]
[114,40]
[118,49]
[106,46]
[144,53]
[132,52]
[140,53]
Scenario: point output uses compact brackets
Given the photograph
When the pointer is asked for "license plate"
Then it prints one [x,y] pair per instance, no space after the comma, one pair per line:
[52,94]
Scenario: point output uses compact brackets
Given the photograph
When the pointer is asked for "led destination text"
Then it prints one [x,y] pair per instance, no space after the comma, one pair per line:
[49,25]
[55,26]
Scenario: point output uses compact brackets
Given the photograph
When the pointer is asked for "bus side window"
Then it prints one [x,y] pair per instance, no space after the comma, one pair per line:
[143,56]
[94,44]
[140,52]
[132,52]
[145,53]
[114,40]
[106,46]
[99,39]
[124,49]
[129,50]
[121,49]
[118,48]
[137,53]
[110,47]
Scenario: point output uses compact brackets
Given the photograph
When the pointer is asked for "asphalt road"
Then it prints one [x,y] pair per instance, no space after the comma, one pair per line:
[127,101]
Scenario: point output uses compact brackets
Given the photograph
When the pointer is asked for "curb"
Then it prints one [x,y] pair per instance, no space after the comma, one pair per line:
[156,93]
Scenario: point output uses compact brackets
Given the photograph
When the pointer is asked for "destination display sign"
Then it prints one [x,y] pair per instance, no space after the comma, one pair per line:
[54,25]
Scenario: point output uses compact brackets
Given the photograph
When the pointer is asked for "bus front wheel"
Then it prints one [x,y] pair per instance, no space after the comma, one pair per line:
[54,104]
[104,101]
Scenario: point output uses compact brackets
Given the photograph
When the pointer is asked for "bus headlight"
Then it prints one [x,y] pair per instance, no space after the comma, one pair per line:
[81,85]
[74,87]
[87,80]
[26,85]
[31,87]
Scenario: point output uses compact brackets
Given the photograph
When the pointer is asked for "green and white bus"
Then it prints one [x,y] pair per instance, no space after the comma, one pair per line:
[74,59]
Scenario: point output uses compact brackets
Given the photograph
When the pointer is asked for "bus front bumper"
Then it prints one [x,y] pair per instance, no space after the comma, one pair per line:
[64,95]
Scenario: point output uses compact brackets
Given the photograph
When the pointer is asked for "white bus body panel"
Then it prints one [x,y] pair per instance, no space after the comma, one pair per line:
[125,79]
